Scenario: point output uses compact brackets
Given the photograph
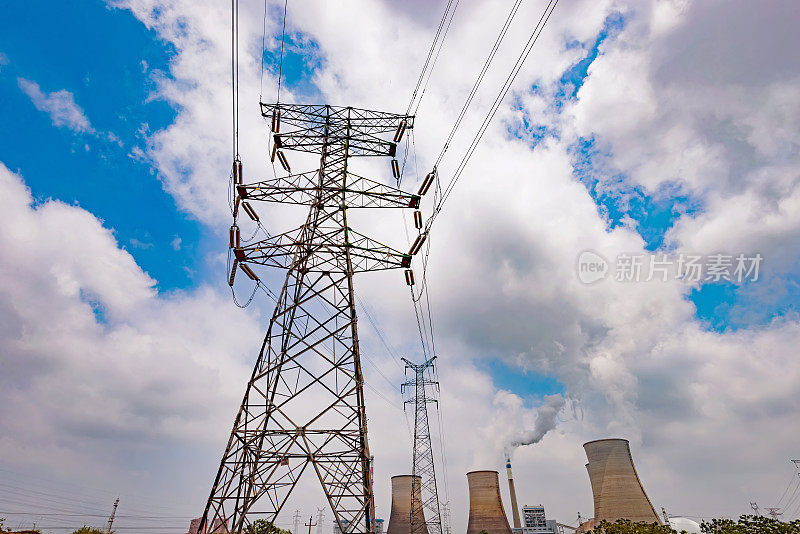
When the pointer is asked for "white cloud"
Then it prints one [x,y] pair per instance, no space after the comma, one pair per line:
[60,105]
[97,367]
[633,358]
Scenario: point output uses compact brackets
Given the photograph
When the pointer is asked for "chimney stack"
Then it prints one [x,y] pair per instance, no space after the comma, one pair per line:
[513,493]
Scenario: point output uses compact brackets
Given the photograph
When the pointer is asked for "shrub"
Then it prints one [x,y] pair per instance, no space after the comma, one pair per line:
[262,526]
[625,526]
[750,524]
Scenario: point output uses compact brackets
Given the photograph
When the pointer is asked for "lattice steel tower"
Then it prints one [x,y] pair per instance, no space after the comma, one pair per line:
[423,465]
[303,409]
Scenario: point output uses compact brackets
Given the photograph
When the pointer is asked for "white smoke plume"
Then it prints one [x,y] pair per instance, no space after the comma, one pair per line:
[545,422]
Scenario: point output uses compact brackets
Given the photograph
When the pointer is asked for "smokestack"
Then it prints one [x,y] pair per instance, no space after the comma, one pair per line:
[513,493]
[485,505]
[400,517]
[617,491]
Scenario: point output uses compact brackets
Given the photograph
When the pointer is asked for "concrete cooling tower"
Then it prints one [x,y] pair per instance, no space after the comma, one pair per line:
[400,517]
[616,488]
[485,505]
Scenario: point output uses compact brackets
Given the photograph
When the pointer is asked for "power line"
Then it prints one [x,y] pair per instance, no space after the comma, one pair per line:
[479,135]
[379,331]
[431,52]
[283,38]
[534,37]
[479,79]
[786,491]
[235,75]
[426,333]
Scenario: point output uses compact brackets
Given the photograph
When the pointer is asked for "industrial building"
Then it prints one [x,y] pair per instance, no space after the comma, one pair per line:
[536,522]
[336,529]
[682,524]
[616,489]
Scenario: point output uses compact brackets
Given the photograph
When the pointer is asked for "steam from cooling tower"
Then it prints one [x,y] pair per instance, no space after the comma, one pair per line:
[545,422]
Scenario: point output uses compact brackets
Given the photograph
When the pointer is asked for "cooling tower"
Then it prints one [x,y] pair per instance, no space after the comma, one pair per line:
[485,505]
[616,488]
[400,518]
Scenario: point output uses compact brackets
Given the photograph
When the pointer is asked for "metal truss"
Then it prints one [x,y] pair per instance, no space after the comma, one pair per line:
[303,188]
[425,505]
[303,410]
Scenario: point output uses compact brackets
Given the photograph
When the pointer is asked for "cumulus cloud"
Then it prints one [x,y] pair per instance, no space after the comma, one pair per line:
[665,108]
[60,105]
[501,273]
[93,355]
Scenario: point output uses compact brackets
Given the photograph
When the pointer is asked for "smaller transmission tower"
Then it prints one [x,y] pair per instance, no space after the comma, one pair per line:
[754,506]
[425,505]
[446,518]
[775,513]
[320,518]
[296,522]
[666,516]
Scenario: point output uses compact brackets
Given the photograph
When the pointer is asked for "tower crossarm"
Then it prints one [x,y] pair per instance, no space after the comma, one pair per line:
[322,254]
[361,121]
[314,139]
[304,188]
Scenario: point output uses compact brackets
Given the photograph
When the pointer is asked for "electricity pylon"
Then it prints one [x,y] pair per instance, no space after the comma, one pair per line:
[427,504]
[446,518]
[303,408]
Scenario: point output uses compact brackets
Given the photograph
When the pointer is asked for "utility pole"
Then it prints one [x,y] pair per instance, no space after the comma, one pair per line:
[580,519]
[111,518]
[303,410]
[754,506]
[310,524]
[427,504]
[296,522]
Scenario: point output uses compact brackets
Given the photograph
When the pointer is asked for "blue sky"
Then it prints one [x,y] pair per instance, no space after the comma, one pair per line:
[623,353]
[110,69]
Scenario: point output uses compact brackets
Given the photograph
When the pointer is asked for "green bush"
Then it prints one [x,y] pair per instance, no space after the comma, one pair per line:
[625,526]
[88,530]
[262,526]
[746,524]
[750,524]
